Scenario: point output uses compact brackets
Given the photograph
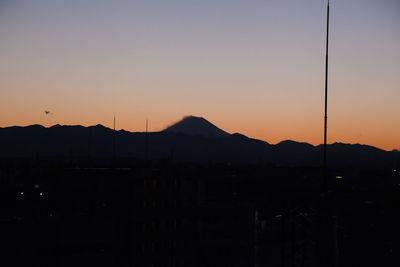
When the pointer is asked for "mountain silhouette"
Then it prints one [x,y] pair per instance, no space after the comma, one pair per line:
[193,139]
[196,126]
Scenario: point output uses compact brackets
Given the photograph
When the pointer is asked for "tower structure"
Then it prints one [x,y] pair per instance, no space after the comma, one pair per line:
[114,144]
[326,103]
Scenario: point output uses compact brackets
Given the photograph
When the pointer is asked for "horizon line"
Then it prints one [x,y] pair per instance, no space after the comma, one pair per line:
[99,124]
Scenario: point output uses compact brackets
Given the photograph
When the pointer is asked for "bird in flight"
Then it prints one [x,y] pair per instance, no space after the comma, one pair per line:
[48,112]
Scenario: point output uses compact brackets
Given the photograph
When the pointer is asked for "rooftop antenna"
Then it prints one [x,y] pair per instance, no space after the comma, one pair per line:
[326,103]
[328,225]
[89,141]
[114,140]
[147,141]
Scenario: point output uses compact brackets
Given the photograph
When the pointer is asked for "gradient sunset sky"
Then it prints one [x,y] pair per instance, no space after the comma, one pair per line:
[250,66]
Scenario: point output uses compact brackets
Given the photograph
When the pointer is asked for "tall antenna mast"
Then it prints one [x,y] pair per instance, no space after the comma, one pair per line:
[328,226]
[326,102]
[147,141]
[114,140]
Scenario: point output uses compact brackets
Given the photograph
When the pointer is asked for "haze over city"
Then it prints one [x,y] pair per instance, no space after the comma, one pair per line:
[254,67]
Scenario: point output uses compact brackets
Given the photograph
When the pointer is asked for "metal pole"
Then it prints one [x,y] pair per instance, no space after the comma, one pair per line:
[324,257]
[114,155]
[146,142]
[326,102]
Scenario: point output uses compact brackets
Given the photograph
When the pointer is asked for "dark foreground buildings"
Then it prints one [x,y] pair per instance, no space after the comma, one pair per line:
[166,214]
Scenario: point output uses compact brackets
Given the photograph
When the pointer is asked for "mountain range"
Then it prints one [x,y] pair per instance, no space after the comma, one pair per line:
[192,139]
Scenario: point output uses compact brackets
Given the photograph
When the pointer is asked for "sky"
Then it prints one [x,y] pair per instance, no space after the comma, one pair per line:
[251,66]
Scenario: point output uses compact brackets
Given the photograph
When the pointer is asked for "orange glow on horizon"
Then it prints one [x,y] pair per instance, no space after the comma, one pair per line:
[272,132]
[256,69]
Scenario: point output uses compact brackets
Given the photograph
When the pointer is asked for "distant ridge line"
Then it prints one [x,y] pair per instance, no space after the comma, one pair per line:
[122,131]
